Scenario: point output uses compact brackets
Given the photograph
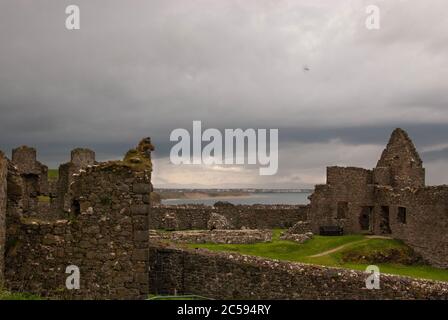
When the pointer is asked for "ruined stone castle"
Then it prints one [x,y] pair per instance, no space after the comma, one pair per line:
[98,217]
[95,217]
[390,200]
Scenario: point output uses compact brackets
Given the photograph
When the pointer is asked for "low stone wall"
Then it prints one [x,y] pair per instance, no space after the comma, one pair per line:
[234,276]
[106,237]
[187,217]
[214,236]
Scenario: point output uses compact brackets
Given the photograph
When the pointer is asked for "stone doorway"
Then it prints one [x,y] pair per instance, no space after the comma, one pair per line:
[384,223]
[365,218]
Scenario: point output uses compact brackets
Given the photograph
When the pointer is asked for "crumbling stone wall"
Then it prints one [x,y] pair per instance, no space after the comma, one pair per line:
[389,200]
[300,232]
[239,216]
[104,233]
[426,220]
[234,276]
[34,175]
[213,236]
[107,238]
[3,202]
[338,202]
[80,159]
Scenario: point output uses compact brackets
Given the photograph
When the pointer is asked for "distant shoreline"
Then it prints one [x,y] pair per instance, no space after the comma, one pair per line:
[246,198]
[212,194]
[220,193]
[201,195]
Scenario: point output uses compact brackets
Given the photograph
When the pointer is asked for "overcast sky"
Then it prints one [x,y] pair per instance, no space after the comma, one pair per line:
[144,68]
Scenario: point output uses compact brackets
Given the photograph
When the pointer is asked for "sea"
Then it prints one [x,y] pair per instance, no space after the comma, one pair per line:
[253,198]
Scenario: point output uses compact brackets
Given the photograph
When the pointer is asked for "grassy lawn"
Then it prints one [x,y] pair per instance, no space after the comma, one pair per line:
[6,295]
[358,244]
[53,174]
[181,297]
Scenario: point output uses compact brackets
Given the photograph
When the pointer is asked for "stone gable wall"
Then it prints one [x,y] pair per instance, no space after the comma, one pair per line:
[403,161]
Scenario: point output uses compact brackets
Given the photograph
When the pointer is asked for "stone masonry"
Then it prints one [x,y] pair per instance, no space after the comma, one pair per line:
[81,158]
[103,229]
[101,216]
[185,217]
[221,275]
[213,236]
[391,200]
[34,175]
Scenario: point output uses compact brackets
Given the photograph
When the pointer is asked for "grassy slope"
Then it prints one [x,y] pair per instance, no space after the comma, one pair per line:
[288,250]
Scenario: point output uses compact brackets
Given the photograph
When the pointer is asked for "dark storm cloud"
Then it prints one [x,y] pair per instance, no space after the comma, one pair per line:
[147,67]
[436,155]
[421,134]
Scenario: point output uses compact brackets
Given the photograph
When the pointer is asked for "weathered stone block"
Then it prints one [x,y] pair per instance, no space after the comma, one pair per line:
[146,199]
[140,255]
[140,209]
[140,223]
[141,188]
[141,236]
[141,278]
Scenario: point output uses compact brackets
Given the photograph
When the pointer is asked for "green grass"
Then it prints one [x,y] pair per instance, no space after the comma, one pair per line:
[291,251]
[181,297]
[53,174]
[6,295]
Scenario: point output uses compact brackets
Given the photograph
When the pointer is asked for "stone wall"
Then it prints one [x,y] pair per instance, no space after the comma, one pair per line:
[339,202]
[234,276]
[213,236]
[106,237]
[80,159]
[3,202]
[389,200]
[186,217]
[34,175]
[424,221]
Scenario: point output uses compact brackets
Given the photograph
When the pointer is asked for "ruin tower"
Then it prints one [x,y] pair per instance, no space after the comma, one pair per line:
[34,175]
[400,165]
[80,159]
[24,158]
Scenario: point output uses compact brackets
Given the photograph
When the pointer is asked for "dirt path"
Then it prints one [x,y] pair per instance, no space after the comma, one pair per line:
[346,245]
[336,249]
[379,237]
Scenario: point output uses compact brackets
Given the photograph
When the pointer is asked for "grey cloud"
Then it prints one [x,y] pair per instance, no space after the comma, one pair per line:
[435,155]
[148,67]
